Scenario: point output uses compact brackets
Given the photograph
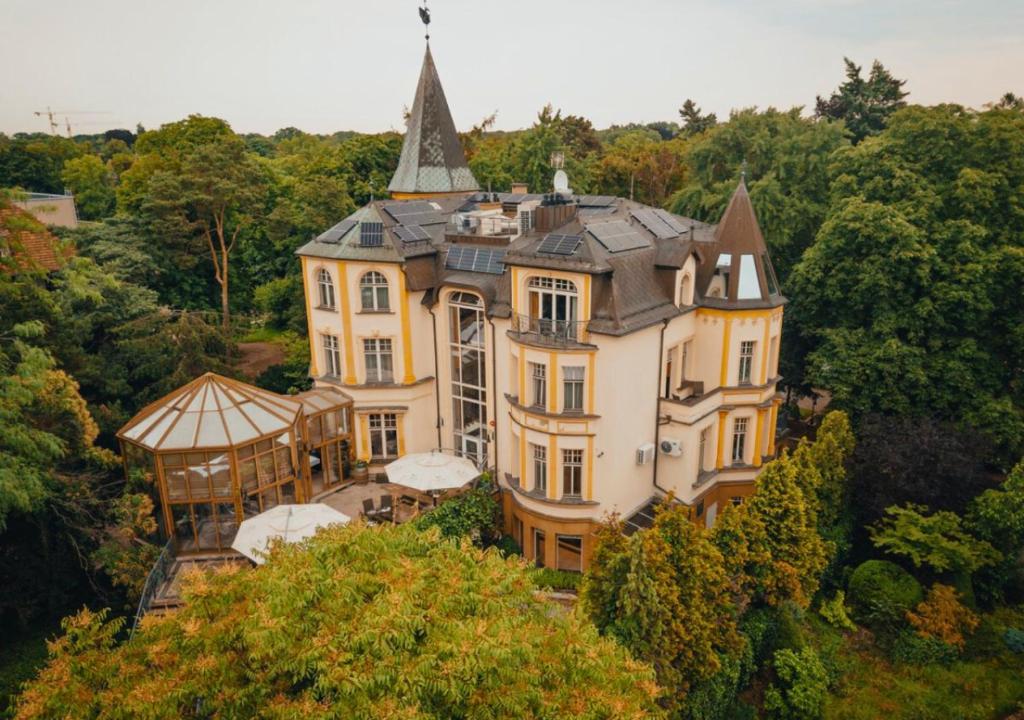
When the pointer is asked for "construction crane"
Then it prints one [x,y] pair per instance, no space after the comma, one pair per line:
[52,117]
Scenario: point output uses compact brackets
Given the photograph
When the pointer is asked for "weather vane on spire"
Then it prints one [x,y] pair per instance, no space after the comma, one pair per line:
[425,17]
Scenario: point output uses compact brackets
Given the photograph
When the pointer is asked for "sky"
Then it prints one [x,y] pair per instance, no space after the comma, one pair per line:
[329,65]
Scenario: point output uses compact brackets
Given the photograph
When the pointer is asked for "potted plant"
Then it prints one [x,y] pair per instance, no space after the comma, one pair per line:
[361,471]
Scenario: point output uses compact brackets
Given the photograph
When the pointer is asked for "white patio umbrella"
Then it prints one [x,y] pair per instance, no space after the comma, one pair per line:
[291,523]
[432,472]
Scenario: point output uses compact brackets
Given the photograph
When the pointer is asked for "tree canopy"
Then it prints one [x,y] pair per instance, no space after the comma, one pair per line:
[357,622]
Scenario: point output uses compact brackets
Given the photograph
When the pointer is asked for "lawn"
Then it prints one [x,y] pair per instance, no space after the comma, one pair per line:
[870,686]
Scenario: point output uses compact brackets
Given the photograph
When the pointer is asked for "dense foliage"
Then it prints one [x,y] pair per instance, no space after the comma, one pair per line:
[357,622]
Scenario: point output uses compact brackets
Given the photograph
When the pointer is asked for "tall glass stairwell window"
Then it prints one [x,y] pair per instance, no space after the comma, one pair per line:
[469,375]
[553,307]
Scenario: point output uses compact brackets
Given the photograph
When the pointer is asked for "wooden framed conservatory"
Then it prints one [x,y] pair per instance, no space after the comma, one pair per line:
[220,451]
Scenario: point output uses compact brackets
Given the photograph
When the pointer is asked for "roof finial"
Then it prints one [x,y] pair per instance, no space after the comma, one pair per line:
[425,17]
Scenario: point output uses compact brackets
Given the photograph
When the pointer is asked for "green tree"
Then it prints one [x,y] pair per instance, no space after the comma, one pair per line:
[694,121]
[997,517]
[863,105]
[937,540]
[664,594]
[358,621]
[92,183]
[802,687]
[637,166]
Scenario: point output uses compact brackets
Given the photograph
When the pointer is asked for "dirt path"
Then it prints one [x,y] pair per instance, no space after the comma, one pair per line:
[255,357]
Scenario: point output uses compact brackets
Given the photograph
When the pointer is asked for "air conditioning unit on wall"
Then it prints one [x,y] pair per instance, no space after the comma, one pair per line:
[645,453]
[671,447]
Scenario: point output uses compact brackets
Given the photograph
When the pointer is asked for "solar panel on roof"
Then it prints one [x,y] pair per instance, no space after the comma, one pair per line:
[671,220]
[371,234]
[650,220]
[336,233]
[617,236]
[411,233]
[475,259]
[558,244]
[417,212]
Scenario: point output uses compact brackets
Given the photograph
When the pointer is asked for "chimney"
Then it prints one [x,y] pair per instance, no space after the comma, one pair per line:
[519,189]
[554,212]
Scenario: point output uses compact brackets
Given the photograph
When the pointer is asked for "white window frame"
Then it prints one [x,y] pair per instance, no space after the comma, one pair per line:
[540,467]
[378,352]
[572,472]
[739,439]
[538,385]
[373,292]
[573,384]
[382,427]
[746,368]
[332,354]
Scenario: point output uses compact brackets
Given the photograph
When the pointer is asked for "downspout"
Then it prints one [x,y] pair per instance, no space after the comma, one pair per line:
[494,391]
[437,379]
[657,404]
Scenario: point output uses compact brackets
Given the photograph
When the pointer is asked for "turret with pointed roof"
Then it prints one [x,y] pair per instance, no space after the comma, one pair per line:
[433,161]
[737,272]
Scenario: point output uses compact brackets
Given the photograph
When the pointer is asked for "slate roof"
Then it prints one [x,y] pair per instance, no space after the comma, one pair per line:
[432,159]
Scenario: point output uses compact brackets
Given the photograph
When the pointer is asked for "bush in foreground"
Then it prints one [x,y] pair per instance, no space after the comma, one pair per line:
[881,593]
[357,622]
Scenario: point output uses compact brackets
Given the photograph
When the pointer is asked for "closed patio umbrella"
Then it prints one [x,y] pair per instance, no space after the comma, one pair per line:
[291,523]
[432,472]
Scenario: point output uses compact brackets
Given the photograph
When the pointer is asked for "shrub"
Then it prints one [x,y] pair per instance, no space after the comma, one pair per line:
[557,579]
[943,617]
[801,688]
[508,546]
[834,612]
[1014,640]
[881,593]
[910,648]
[761,628]
[473,514]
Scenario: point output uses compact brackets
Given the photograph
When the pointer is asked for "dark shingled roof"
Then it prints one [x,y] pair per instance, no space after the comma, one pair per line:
[432,159]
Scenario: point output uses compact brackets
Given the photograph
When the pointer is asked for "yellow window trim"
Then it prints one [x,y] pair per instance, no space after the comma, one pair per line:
[307,284]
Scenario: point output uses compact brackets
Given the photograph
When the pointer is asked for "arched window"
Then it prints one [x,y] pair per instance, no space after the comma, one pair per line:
[373,290]
[553,307]
[326,285]
[686,290]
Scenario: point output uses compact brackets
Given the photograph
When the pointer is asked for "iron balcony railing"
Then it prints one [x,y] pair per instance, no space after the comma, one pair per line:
[549,332]
[153,582]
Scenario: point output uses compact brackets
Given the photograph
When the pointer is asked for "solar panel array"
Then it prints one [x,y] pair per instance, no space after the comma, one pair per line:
[595,200]
[415,212]
[475,259]
[336,233]
[671,220]
[410,233]
[558,244]
[371,234]
[618,236]
[650,220]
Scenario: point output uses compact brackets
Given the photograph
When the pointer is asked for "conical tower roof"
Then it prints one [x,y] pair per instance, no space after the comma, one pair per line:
[211,412]
[737,271]
[432,160]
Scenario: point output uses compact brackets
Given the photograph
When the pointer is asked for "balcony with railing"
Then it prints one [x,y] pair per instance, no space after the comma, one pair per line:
[544,331]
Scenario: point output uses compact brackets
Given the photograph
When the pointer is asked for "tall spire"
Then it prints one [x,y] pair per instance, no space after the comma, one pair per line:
[432,160]
[738,271]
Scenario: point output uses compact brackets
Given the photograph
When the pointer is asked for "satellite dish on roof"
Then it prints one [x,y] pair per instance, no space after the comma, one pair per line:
[562,183]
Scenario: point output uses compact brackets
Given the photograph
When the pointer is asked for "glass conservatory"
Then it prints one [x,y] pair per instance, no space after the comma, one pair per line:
[220,451]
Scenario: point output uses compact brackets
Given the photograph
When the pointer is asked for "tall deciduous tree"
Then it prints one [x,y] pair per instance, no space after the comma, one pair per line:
[356,622]
[92,183]
[694,120]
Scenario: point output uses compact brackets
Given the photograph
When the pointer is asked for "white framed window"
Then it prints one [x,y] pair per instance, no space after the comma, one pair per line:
[572,473]
[746,360]
[383,435]
[540,468]
[572,381]
[686,290]
[326,289]
[467,351]
[539,377]
[373,292]
[332,355]
[739,439]
[553,307]
[379,361]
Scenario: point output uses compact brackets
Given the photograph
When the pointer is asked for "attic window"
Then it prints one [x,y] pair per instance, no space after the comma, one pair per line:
[769,275]
[749,288]
[371,234]
[720,281]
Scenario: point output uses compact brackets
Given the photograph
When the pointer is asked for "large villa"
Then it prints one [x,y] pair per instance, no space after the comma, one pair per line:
[592,353]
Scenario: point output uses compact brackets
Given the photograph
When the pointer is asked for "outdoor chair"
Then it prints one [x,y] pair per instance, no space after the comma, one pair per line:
[368,509]
[387,509]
